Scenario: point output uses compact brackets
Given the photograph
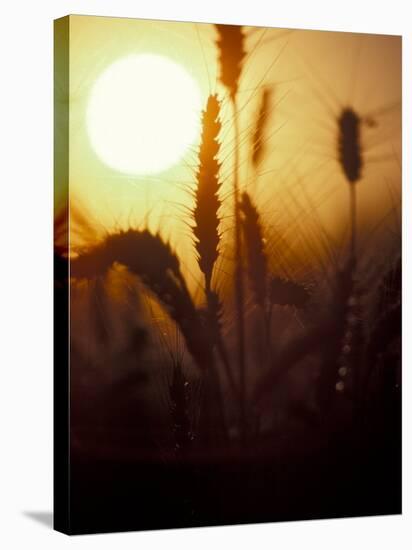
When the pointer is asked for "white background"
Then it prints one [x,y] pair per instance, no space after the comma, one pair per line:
[26,269]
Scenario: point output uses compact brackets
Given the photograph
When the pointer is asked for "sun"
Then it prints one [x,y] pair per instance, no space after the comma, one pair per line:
[143,114]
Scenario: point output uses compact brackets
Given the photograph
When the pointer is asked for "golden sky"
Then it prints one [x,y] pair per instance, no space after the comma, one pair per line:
[299,186]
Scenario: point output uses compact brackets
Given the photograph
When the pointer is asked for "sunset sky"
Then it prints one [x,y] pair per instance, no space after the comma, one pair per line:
[299,185]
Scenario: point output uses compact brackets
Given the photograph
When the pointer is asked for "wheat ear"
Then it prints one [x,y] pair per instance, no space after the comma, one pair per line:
[206,217]
[153,261]
[207,202]
[260,128]
[255,250]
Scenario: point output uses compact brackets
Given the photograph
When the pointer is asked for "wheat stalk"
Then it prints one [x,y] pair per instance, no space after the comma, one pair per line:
[351,161]
[207,202]
[288,293]
[255,250]
[231,46]
[260,128]
[340,317]
[179,409]
[387,320]
[153,261]
[206,217]
[231,56]
[349,146]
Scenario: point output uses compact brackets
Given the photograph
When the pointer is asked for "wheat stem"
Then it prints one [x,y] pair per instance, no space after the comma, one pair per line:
[239,286]
[353,210]
[207,221]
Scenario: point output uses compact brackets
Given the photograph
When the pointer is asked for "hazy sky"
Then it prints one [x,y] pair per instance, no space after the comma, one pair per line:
[313,75]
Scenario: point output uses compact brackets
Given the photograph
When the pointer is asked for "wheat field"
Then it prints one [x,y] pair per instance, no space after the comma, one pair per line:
[235,322]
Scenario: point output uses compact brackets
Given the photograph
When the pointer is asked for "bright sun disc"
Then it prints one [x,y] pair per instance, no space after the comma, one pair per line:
[143,114]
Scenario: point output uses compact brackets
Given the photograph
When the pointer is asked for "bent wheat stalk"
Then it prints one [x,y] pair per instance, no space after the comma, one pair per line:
[153,261]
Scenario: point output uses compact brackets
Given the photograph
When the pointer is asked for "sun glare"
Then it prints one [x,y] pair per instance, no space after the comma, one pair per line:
[143,114]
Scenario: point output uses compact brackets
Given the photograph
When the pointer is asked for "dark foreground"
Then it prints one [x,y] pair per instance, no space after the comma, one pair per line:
[308,477]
